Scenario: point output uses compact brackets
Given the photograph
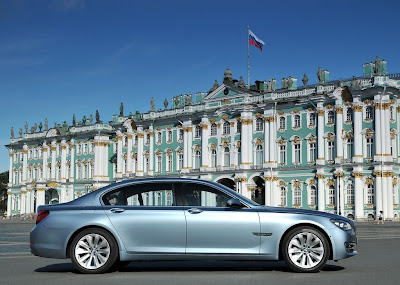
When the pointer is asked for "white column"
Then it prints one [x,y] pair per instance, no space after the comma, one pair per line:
[385,195]
[268,192]
[23,200]
[10,172]
[339,128]
[40,198]
[340,193]
[266,141]
[275,191]
[9,208]
[150,171]
[44,163]
[119,155]
[321,192]
[389,182]
[247,123]
[53,160]
[129,154]
[204,143]
[378,191]
[387,137]
[189,146]
[70,192]
[72,168]
[358,194]
[64,174]
[185,149]
[378,133]
[63,196]
[320,141]
[140,136]
[28,201]
[25,164]
[358,150]
[31,202]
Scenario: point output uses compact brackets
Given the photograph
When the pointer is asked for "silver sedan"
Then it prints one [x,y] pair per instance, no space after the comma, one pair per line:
[185,219]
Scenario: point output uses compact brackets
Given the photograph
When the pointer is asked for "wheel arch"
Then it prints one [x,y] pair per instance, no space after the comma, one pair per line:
[71,238]
[306,225]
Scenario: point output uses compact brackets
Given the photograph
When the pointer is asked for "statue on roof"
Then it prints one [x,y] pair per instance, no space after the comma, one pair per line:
[166,103]
[153,106]
[12,132]
[20,132]
[188,99]
[121,109]
[97,117]
[26,127]
[284,83]
[377,66]
[319,75]
[65,126]
[354,82]
[176,101]
[84,120]
[40,127]
[289,82]
[46,125]
[241,83]
[73,120]
[214,87]
[90,119]
[305,80]
[34,127]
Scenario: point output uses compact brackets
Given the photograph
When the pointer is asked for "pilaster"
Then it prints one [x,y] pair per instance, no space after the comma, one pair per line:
[204,142]
[320,142]
[321,191]
[53,160]
[140,136]
[246,138]
[119,155]
[25,163]
[339,129]
[358,193]
[64,174]
[44,163]
[9,209]
[40,196]
[129,153]
[358,150]
[150,171]
[266,140]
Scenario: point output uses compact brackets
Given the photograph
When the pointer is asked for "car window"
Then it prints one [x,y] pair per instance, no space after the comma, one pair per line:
[150,194]
[200,195]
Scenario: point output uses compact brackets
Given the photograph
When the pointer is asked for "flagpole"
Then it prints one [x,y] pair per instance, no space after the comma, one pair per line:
[248,57]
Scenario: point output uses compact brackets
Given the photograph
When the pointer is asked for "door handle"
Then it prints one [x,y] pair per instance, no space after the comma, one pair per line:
[117,210]
[195,211]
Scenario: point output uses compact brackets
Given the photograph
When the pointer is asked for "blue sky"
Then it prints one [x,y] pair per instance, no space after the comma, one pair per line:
[64,57]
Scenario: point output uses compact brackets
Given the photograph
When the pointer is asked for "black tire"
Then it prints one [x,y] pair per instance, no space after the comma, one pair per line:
[105,243]
[305,250]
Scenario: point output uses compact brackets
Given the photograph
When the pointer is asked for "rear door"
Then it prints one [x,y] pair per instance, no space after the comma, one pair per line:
[146,217]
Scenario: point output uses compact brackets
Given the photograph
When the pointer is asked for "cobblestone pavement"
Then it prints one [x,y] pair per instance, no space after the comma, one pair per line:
[377,263]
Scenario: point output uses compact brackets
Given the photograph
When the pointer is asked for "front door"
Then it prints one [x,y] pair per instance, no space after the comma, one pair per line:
[146,218]
[213,228]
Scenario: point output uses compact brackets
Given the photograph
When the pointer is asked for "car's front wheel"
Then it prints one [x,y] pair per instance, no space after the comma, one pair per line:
[93,250]
[305,249]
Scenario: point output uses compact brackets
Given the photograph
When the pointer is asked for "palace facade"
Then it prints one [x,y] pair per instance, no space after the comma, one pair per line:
[333,146]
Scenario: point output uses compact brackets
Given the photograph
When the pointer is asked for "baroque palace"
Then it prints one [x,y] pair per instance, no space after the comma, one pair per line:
[333,146]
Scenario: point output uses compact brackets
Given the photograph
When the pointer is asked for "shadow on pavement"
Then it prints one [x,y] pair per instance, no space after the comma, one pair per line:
[187,266]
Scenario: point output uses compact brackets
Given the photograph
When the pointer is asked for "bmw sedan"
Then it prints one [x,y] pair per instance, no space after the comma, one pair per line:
[185,219]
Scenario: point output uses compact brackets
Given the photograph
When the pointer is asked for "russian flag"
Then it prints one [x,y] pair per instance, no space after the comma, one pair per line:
[253,40]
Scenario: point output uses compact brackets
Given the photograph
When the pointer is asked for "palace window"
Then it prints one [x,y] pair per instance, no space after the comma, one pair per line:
[78,148]
[226,157]
[350,194]
[169,198]
[296,121]
[392,146]
[370,194]
[259,155]
[331,117]
[147,164]
[159,140]
[312,157]
[331,195]
[226,128]
[392,113]
[169,136]
[331,147]
[197,159]
[297,196]
[239,155]
[368,113]
[259,125]
[147,138]
[283,196]
[180,161]
[349,148]
[313,195]
[158,170]
[213,129]
[282,153]
[78,172]
[197,132]
[312,120]
[282,123]
[158,198]
[349,115]
[180,135]
[370,143]
[238,127]
[169,162]
[213,158]
[297,154]
[136,140]
[86,171]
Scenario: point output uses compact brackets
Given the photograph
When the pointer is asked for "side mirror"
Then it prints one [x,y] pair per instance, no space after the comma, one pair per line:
[234,203]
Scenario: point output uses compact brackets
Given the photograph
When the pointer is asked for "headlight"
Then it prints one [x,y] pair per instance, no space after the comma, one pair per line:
[342,224]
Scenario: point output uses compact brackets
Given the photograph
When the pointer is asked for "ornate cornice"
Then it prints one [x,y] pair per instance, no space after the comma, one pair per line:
[320,113]
[357,174]
[320,176]
[357,108]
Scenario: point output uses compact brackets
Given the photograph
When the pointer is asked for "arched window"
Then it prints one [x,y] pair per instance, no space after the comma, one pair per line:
[283,196]
[259,124]
[213,158]
[349,115]
[282,153]
[180,161]
[239,155]
[349,148]
[296,123]
[350,194]
[370,143]
[392,113]
[297,196]
[239,127]
[159,137]
[297,153]
[312,120]
[331,195]
[226,157]
[180,135]
[158,163]
[158,199]
[197,159]
[313,152]
[331,147]
[148,139]
[313,195]
[136,140]
[226,128]
[169,198]
[368,112]
[197,133]
[169,162]
[170,136]
[213,129]
[259,155]
[370,194]
[282,123]
[331,117]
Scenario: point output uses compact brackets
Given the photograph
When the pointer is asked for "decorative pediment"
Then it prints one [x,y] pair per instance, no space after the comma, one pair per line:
[222,92]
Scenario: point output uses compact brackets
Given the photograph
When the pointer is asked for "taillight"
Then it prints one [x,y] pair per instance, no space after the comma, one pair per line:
[41,215]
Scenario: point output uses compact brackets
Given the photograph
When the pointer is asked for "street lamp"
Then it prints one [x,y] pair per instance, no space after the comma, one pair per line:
[339,174]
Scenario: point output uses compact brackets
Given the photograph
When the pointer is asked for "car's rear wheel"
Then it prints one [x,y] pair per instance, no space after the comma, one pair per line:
[93,251]
[305,249]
